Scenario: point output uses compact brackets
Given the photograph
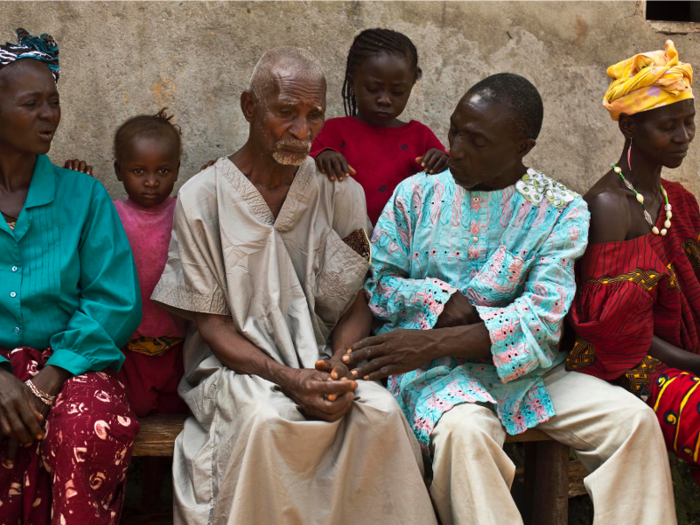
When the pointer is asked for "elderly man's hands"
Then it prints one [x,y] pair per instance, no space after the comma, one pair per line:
[20,417]
[335,367]
[434,161]
[319,396]
[333,165]
[391,353]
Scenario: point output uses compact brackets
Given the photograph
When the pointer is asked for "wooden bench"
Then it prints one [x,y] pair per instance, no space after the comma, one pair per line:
[546,476]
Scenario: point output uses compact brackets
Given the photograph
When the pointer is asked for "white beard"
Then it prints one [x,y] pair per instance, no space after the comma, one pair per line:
[287,158]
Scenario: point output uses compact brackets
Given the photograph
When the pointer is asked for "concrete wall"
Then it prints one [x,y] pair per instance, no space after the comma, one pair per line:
[124,58]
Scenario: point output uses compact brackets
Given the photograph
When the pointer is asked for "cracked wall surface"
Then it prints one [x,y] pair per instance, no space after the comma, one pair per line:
[125,58]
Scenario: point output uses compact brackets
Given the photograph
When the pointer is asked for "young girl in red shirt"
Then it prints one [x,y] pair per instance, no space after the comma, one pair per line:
[370,142]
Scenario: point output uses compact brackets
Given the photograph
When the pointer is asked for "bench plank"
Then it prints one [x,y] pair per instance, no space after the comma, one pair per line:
[157,435]
[547,483]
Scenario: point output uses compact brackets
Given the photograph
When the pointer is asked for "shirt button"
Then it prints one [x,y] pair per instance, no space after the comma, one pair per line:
[475,239]
[13,294]
[17,330]
[14,268]
[475,199]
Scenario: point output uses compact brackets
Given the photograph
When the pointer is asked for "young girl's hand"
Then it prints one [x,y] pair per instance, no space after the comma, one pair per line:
[434,161]
[333,165]
[208,164]
[78,165]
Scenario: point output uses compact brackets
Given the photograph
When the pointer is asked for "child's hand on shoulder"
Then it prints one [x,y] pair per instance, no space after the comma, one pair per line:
[434,161]
[333,165]
[78,165]
[209,164]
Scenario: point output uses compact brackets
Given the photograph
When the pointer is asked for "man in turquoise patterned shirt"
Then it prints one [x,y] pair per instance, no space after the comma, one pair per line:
[472,275]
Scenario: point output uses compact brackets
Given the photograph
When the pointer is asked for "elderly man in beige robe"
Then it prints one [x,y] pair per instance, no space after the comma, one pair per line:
[268,257]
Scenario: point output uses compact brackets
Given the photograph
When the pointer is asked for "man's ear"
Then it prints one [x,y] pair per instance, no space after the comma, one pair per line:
[118,171]
[525,146]
[248,105]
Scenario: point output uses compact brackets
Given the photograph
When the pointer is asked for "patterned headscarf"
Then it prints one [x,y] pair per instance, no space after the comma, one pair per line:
[43,48]
[648,81]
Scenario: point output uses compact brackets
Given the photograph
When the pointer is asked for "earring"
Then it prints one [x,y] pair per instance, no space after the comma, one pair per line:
[629,155]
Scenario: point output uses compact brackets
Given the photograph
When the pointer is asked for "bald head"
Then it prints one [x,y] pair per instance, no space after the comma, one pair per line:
[285,62]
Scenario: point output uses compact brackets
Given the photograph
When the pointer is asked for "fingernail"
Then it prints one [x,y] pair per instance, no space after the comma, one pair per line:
[332,397]
[349,350]
[346,358]
[354,372]
[332,178]
[354,384]
[39,437]
[344,379]
[366,378]
[10,463]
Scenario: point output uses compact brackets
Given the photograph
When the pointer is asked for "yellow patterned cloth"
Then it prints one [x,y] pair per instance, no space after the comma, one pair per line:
[153,346]
[648,81]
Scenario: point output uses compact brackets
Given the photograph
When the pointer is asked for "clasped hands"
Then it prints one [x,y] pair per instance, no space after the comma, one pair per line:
[401,351]
[326,393]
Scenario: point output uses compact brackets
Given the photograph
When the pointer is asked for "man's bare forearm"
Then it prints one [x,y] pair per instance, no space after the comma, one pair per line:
[673,356]
[353,326]
[236,352]
[462,342]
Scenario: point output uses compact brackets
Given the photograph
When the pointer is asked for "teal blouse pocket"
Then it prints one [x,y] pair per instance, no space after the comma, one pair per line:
[500,279]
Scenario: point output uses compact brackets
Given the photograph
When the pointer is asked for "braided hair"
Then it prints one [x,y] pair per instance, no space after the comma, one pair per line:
[150,126]
[370,43]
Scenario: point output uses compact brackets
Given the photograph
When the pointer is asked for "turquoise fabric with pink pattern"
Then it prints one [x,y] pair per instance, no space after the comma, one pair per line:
[511,252]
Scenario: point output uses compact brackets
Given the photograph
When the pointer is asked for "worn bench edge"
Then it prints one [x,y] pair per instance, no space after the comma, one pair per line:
[158,433]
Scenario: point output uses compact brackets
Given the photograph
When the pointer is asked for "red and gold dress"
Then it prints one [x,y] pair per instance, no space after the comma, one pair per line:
[633,290]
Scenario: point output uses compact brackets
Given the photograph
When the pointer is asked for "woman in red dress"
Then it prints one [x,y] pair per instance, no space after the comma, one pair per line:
[637,312]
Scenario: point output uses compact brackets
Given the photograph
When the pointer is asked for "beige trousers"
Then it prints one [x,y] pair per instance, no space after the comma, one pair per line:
[616,436]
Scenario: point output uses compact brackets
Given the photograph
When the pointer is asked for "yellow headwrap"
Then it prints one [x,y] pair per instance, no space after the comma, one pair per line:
[648,81]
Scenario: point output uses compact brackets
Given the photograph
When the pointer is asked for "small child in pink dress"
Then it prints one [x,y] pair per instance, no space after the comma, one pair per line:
[147,153]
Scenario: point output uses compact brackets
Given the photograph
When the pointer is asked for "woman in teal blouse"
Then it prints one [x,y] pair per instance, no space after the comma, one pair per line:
[69,299]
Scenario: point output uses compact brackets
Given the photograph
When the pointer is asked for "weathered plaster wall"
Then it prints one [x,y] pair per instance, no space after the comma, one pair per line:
[124,58]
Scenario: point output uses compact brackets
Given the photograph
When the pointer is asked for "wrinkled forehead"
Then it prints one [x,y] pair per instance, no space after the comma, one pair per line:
[289,85]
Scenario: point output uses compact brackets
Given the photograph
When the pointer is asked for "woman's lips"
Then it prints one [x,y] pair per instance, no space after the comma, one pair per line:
[46,134]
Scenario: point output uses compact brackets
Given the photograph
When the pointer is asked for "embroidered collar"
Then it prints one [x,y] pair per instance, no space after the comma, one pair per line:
[296,196]
[536,187]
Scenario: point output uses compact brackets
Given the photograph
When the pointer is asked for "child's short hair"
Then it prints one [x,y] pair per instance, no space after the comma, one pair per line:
[148,125]
[370,43]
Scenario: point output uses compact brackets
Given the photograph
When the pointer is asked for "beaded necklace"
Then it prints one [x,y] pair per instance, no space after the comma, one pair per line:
[640,200]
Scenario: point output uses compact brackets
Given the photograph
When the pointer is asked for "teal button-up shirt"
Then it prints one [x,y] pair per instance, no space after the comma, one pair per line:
[67,276]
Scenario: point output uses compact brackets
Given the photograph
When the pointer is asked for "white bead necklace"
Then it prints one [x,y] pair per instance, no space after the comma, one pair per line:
[640,200]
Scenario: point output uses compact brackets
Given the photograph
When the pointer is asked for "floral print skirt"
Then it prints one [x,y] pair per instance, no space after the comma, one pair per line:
[76,474]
